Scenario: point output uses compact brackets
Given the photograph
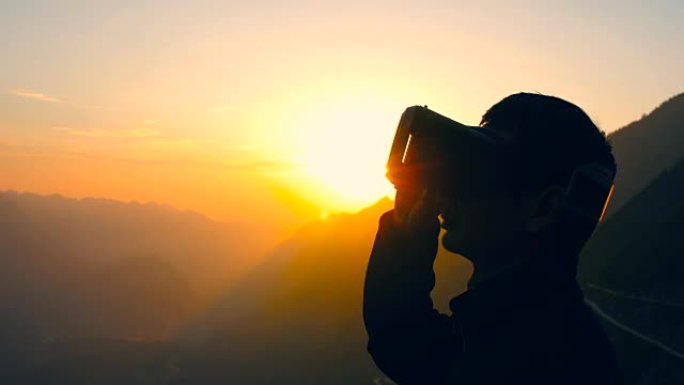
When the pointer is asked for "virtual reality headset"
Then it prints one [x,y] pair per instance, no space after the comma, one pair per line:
[434,152]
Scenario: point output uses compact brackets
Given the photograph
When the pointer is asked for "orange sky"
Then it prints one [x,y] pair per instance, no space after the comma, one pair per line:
[282,112]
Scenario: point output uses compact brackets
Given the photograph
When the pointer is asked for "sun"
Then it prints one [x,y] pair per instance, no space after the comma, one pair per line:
[343,149]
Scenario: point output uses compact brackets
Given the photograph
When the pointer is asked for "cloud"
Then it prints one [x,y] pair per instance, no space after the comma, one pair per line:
[159,142]
[152,158]
[131,133]
[29,94]
[266,166]
[20,150]
[241,147]
[221,108]
[7,148]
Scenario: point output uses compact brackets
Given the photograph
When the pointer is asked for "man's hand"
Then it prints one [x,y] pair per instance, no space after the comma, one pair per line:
[409,340]
[415,208]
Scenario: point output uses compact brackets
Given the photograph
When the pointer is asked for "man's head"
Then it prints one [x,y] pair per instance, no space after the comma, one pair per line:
[547,139]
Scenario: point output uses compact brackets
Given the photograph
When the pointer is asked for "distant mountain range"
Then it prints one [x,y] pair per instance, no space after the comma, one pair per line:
[294,316]
[101,268]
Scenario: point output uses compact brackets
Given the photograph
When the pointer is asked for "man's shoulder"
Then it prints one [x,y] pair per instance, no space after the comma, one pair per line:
[566,336]
[545,328]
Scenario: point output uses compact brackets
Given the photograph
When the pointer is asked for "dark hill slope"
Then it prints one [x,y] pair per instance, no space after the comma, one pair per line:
[645,148]
[641,247]
[633,270]
[299,314]
[99,268]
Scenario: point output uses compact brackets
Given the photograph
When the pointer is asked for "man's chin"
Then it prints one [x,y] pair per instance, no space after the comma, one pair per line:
[450,243]
[455,243]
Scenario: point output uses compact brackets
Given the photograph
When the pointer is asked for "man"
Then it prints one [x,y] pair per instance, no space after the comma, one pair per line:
[523,319]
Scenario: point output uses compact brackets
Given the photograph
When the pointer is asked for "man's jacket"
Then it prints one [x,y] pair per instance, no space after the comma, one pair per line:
[525,328]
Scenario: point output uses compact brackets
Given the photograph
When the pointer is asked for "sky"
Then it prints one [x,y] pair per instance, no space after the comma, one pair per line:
[283,111]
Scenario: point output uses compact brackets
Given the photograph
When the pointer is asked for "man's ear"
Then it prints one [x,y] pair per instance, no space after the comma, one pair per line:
[546,209]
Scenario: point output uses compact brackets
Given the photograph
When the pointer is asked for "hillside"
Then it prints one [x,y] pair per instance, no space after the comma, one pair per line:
[300,314]
[645,148]
[98,268]
[632,269]
[631,249]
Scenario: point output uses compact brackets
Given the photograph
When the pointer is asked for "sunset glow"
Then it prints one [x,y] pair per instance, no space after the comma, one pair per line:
[344,145]
[286,110]
[195,192]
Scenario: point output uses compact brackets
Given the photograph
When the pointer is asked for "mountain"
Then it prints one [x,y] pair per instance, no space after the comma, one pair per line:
[632,271]
[293,319]
[104,269]
[632,248]
[645,148]
[297,319]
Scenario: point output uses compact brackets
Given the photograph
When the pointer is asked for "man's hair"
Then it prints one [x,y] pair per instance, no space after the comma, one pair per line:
[551,137]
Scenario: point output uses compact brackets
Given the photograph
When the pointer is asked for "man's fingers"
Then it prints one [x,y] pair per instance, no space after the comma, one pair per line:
[409,175]
[425,210]
[415,208]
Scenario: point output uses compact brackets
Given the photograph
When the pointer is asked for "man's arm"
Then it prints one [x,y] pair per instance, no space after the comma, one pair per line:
[409,340]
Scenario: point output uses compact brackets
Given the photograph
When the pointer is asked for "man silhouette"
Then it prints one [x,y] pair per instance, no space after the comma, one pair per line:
[522,319]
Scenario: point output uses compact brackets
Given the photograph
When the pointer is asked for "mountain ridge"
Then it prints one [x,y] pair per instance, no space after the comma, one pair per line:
[646,147]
